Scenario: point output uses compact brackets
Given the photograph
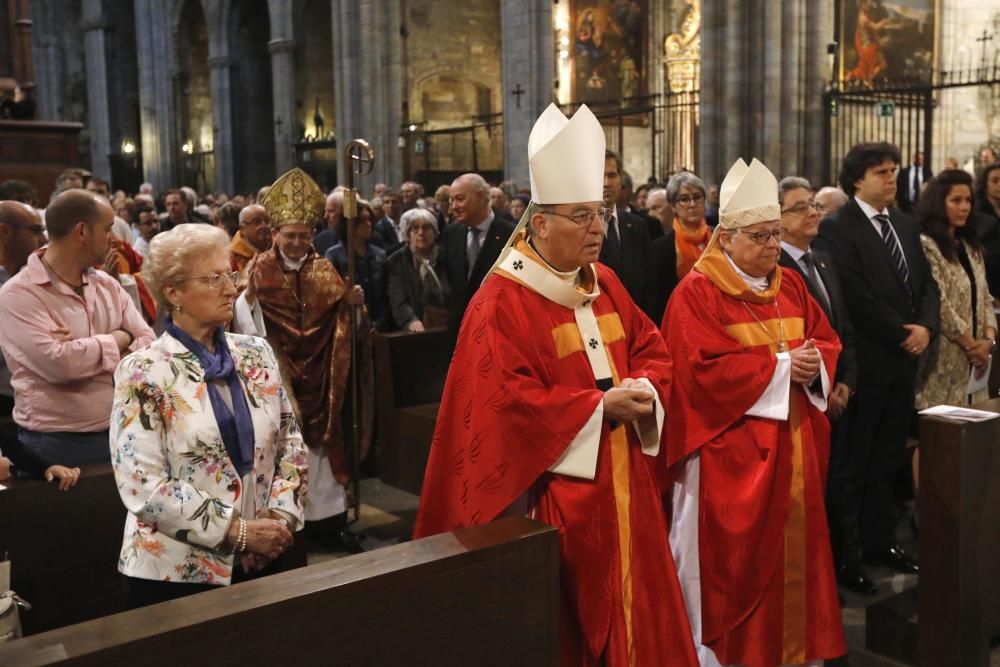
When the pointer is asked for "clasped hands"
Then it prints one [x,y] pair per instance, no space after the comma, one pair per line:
[917,340]
[630,400]
[806,362]
[267,538]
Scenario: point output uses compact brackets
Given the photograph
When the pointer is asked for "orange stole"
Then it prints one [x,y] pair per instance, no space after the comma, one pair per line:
[308,325]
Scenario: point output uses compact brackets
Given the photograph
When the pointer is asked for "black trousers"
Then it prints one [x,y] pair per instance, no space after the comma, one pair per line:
[863,468]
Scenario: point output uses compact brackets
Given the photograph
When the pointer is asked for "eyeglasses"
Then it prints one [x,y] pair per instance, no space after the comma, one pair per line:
[760,238]
[690,200]
[581,218]
[802,207]
[217,280]
[423,228]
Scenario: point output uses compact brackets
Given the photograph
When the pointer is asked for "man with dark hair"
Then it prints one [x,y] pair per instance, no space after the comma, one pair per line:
[626,248]
[910,181]
[18,190]
[894,305]
[99,186]
[149,226]
[64,326]
[388,233]
[178,212]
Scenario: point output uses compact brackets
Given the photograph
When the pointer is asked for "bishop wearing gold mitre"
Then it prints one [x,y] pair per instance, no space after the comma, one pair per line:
[749,442]
[300,303]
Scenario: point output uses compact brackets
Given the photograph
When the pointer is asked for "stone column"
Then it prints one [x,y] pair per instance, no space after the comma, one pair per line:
[282,48]
[381,86]
[283,90]
[528,72]
[46,59]
[222,123]
[346,28]
[156,107]
[95,27]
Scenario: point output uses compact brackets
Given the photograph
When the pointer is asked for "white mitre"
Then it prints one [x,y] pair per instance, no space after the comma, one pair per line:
[566,157]
[748,195]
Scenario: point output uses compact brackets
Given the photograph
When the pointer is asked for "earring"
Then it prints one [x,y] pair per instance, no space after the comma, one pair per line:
[178,308]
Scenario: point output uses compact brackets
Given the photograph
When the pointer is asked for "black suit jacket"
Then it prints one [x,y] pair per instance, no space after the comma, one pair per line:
[463,286]
[664,273]
[903,186]
[633,265]
[878,301]
[988,231]
[840,320]
[384,236]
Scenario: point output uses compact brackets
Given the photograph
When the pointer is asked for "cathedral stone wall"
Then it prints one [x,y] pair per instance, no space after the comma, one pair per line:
[453,60]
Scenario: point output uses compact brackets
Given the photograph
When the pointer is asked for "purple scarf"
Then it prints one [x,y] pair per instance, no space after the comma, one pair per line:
[237,432]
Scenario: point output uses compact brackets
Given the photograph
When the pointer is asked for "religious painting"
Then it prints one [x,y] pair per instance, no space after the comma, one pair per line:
[608,50]
[887,40]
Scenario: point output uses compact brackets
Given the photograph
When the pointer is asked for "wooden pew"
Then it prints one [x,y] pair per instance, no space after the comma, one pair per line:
[64,547]
[410,370]
[959,506]
[487,595]
[37,152]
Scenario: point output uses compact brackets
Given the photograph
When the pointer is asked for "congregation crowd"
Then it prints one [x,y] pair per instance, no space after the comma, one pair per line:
[93,277]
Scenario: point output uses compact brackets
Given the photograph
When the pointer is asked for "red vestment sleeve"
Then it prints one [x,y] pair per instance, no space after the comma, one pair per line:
[722,380]
[504,417]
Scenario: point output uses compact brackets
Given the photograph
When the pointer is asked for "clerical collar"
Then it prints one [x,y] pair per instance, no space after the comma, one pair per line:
[291,265]
[565,276]
[756,284]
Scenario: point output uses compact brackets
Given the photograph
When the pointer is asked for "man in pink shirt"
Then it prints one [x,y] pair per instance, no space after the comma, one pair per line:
[64,326]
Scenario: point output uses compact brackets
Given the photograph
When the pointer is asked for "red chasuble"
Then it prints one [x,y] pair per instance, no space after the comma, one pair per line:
[768,595]
[519,390]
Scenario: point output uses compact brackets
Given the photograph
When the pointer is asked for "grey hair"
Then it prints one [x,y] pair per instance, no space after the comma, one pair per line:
[791,183]
[477,182]
[656,191]
[681,179]
[337,197]
[173,255]
[416,215]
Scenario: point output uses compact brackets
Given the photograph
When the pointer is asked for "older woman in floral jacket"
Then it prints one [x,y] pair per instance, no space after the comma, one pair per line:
[206,451]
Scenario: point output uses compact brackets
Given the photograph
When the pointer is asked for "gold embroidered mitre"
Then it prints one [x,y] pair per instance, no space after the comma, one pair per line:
[294,199]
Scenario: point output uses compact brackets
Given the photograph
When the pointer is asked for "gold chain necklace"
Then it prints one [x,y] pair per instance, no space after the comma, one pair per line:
[781,343]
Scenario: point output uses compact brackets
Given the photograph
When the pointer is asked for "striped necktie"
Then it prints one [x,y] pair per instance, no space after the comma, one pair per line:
[893,245]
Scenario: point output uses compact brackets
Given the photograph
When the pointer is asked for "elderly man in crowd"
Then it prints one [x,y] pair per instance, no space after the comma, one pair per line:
[754,358]
[660,209]
[64,326]
[500,204]
[553,346]
[333,214]
[829,200]
[410,192]
[254,236]
[472,245]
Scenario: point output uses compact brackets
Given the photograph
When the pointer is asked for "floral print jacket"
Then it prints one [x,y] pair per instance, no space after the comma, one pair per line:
[171,466]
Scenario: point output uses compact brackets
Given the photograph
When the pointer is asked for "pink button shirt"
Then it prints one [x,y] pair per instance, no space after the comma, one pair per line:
[64,385]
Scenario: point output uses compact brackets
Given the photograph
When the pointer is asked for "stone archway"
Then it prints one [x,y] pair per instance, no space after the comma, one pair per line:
[253,105]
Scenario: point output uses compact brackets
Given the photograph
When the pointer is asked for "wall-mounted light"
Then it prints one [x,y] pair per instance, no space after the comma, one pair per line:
[413,128]
[188,147]
[128,148]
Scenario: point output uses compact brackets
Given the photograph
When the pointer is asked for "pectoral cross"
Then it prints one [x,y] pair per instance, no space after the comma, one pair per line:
[517,92]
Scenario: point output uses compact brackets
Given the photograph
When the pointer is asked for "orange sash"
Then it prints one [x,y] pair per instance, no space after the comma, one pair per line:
[689,245]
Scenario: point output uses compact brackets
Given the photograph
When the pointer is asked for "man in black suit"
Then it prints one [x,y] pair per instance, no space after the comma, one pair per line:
[800,221]
[472,246]
[626,248]
[894,305]
[910,181]
[387,232]
[500,203]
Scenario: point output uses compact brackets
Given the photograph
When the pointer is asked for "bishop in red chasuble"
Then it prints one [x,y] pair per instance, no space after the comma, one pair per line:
[749,443]
[553,408]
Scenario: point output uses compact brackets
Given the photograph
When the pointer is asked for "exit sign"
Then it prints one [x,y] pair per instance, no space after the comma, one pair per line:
[886,109]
